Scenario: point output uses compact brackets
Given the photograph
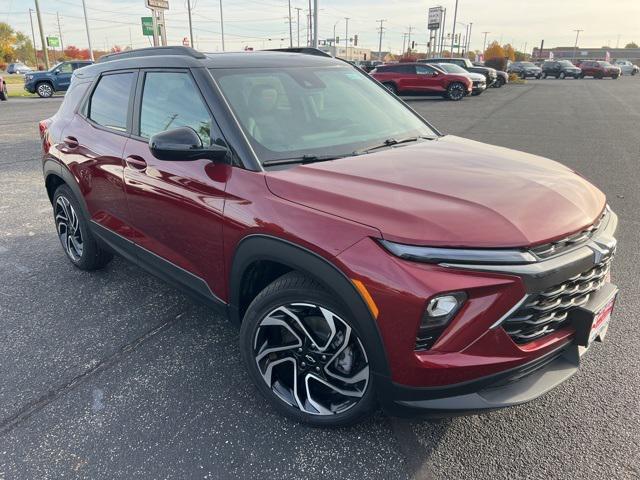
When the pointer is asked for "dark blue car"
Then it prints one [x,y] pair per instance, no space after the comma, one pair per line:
[57,79]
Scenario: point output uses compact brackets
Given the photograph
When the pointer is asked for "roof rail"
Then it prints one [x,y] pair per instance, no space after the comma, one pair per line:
[152,52]
[304,50]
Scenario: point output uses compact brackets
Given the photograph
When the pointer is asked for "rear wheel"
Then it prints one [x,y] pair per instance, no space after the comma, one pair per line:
[544,75]
[499,82]
[598,76]
[455,91]
[391,87]
[81,247]
[562,75]
[44,90]
[303,354]
[615,76]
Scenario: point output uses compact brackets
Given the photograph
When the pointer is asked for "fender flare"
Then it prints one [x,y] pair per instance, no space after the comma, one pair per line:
[265,247]
[52,167]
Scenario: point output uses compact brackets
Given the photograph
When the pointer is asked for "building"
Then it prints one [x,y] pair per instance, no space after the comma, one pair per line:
[348,53]
[559,53]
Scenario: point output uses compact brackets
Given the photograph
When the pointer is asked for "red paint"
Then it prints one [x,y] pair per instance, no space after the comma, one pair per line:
[427,84]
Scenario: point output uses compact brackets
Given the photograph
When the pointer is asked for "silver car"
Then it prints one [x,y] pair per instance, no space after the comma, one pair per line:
[627,67]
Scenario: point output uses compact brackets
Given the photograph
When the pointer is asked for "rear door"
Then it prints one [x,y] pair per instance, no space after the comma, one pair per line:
[176,206]
[406,77]
[92,147]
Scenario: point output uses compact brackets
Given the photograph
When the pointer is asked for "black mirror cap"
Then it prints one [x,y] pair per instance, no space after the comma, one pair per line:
[184,144]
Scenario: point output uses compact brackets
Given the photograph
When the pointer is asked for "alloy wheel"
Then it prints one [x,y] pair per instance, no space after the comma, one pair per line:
[45,90]
[68,227]
[456,91]
[311,359]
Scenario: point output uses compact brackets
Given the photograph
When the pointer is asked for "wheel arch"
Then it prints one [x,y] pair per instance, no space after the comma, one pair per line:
[291,257]
[56,175]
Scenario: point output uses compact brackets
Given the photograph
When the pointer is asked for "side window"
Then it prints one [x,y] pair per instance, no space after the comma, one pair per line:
[410,69]
[109,102]
[171,100]
[65,68]
[424,70]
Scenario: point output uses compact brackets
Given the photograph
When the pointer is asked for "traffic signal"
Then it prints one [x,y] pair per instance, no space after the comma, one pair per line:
[413,45]
[355,40]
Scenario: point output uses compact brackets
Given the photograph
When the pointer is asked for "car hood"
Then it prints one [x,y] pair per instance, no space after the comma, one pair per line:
[476,77]
[448,192]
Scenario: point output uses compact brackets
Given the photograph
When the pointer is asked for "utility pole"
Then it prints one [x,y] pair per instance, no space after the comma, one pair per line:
[315,23]
[453,35]
[190,26]
[290,29]
[575,47]
[404,39]
[86,24]
[130,40]
[45,54]
[60,32]
[310,27]
[221,26]
[409,38]
[33,36]
[380,42]
[469,38]
[484,44]
[298,24]
[346,37]
[442,28]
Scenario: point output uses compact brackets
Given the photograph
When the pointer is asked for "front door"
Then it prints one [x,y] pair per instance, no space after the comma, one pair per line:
[63,76]
[427,79]
[176,206]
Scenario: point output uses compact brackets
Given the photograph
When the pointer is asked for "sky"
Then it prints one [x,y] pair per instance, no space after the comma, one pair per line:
[264,23]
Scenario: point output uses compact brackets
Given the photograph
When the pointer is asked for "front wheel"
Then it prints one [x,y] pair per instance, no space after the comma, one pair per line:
[562,75]
[544,75]
[81,247]
[4,95]
[498,83]
[304,355]
[391,87]
[615,76]
[455,91]
[44,90]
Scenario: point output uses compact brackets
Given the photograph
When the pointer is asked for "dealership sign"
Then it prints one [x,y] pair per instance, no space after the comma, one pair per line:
[157,4]
[53,42]
[435,18]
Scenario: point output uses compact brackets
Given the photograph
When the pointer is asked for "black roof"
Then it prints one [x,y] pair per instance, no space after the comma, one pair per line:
[185,57]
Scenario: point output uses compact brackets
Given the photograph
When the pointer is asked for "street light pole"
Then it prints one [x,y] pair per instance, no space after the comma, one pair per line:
[484,44]
[315,23]
[45,54]
[190,26]
[33,36]
[221,26]
[575,47]
[86,25]
[346,37]
[60,33]
[442,29]
[298,24]
[469,38]
[290,30]
[380,44]
[453,34]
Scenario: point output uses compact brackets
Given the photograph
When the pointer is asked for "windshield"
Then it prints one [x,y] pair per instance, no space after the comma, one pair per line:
[451,68]
[605,64]
[314,111]
[527,64]
[566,63]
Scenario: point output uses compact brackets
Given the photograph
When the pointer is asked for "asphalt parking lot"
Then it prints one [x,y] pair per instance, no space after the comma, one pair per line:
[116,375]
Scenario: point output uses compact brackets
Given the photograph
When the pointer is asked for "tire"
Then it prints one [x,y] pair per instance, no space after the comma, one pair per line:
[562,75]
[615,76]
[455,91]
[4,95]
[476,94]
[498,83]
[391,87]
[544,75]
[294,312]
[581,75]
[598,76]
[44,89]
[523,76]
[72,227]
[633,72]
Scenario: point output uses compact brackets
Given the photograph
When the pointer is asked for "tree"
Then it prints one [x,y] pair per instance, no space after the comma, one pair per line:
[509,52]
[494,50]
[23,48]
[7,40]
[631,45]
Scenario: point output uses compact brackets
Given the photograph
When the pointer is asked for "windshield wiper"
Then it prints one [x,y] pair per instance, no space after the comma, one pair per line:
[389,142]
[303,159]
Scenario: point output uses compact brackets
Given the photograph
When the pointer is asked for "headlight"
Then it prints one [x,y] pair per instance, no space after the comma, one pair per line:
[28,77]
[459,255]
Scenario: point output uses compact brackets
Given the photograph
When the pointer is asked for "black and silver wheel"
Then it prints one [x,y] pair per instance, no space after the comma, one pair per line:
[456,91]
[544,75]
[44,90]
[304,355]
[73,231]
[498,83]
[562,75]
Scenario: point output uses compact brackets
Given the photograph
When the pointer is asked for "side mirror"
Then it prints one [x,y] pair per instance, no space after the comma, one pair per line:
[184,144]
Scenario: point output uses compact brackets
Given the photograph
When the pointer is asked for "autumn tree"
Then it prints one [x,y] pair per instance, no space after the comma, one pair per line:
[631,45]
[7,40]
[23,48]
[509,52]
[494,50]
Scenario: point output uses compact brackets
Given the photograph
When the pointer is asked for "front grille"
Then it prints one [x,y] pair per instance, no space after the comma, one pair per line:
[554,248]
[549,310]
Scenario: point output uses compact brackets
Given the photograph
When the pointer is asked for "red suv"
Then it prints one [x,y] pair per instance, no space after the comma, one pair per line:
[598,69]
[367,258]
[418,78]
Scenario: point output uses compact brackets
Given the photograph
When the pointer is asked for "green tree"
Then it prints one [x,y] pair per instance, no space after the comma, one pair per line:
[631,45]
[23,48]
[7,40]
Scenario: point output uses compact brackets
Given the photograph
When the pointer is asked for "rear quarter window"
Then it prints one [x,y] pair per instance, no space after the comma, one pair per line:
[109,102]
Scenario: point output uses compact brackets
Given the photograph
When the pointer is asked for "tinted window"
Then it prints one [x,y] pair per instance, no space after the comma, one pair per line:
[171,100]
[110,101]
[410,69]
[424,70]
[65,68]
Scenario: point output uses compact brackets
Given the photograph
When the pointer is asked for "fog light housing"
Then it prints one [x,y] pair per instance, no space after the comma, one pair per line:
[439,312]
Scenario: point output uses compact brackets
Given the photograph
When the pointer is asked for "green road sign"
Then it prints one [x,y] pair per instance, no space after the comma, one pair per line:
[147,26]
[53,42]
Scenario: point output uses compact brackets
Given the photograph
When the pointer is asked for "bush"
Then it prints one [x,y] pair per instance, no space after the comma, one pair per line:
[515,78]
[497,63]
[3,66]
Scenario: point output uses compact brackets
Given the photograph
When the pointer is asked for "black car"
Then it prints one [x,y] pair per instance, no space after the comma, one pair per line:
[525,69]
[489,73]
[560,69]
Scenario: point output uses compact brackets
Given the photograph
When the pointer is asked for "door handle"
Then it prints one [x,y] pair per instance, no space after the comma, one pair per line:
[135,162]
[71,142]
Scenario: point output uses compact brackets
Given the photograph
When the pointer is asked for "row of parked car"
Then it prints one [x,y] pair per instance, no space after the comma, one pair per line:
[452,78]
[567,69]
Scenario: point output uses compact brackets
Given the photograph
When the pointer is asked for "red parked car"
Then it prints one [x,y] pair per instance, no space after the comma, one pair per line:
[367,258]
[418,78]
[598,69]
[4,94]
